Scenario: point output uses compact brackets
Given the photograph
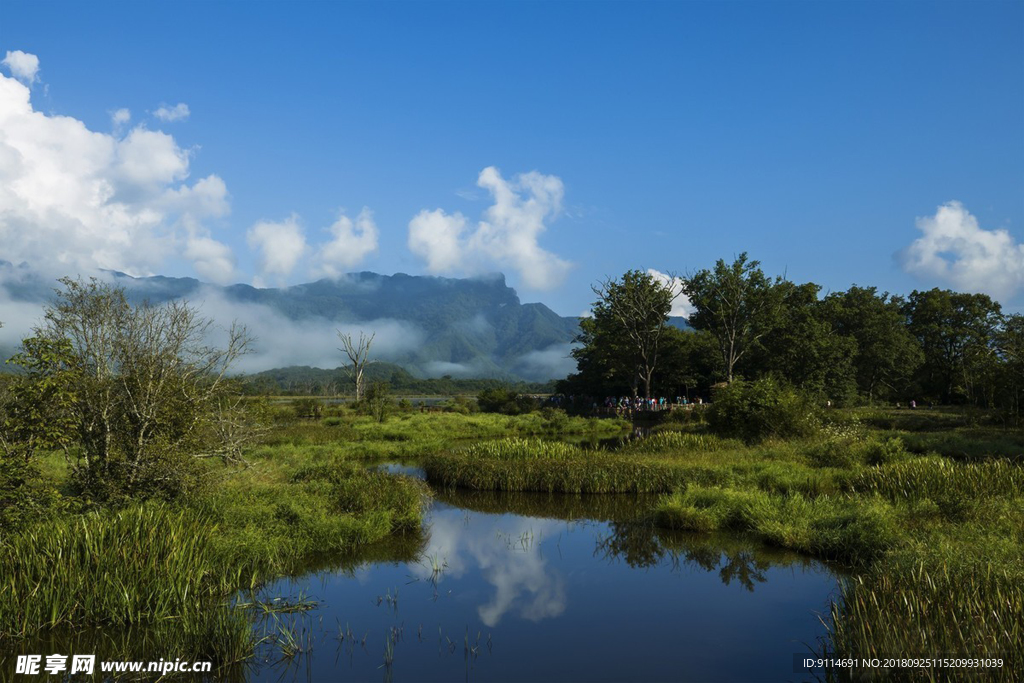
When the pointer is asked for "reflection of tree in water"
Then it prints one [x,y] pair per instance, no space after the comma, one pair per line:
[636,544]
[745,568]
[642,545]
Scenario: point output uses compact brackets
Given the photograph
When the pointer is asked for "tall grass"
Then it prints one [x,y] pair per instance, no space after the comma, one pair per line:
[534,465]
[145,565]
[680,441]
[932,611]
[940,478]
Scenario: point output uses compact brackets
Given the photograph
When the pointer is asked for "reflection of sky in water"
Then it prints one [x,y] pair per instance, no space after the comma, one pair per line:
[543,599]
[506,552]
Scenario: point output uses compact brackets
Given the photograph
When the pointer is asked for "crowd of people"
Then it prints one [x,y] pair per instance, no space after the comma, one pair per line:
[624,405]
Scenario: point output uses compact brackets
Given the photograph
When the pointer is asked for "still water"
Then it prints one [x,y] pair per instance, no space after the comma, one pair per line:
[504,587]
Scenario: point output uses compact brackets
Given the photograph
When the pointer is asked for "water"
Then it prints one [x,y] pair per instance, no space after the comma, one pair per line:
[505,587]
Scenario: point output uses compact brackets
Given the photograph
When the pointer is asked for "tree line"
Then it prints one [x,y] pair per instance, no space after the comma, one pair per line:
[858,345]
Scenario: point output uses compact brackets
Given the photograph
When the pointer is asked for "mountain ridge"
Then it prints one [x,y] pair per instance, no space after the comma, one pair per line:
[457,326]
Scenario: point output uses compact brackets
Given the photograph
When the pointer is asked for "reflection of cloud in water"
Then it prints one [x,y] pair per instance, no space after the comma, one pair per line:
[522,579]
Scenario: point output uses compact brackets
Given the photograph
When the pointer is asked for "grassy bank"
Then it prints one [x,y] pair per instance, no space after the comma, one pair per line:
[926,507]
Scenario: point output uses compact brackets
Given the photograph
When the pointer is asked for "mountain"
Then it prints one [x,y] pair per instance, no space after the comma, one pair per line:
[431,326]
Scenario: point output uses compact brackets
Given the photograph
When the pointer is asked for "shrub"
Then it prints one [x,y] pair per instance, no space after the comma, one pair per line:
[24,497]
[762,409]
[460,405]
[308,408]
[379,401]
[890,451]
[505,401]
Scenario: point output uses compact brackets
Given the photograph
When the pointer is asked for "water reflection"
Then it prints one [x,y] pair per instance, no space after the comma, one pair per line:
[733,559]
[505,552]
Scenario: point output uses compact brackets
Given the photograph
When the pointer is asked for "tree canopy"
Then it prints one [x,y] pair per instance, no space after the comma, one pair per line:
[624,337]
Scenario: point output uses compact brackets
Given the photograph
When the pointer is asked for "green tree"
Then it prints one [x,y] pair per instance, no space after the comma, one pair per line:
[37,407]
[805,349]
[887,354]
[624,336]
[956,332]
[141,389]
[736,303]
[1009,342]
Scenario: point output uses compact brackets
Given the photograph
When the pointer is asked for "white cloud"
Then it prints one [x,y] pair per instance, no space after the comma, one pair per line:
[212,260]
[435,236]
[22,65]
[281,245]
[74,200]
[540,365]
[150,159]
[681,306]
[522,580]
[121,117]
[276,334]
[958,252]
[351,243]
[178,112]
[506,237]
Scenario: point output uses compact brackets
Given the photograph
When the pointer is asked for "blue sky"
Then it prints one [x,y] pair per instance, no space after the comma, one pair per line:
[840,142]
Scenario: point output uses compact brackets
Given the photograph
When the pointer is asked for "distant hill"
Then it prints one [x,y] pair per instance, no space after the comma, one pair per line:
[430,326]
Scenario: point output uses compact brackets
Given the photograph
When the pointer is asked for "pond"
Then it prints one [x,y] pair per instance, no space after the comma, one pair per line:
[503,587]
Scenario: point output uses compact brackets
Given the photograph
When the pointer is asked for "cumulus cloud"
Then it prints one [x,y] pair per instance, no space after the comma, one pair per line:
[955,250]
[121,117]
[213,260]
[437,238]
[280,246]
[178,112]
[351,242]
[22,65]
[681,306]
[74,200]
[506,236]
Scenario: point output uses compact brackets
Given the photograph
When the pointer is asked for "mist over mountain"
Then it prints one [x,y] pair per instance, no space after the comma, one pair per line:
[431,326]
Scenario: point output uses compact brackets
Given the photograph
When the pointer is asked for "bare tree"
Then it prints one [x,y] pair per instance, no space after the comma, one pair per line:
[358,353]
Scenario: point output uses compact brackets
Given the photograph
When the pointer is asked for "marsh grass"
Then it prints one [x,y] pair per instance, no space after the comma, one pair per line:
[931,611]
[941,479]
[535,465]
[680,441]
[854,531]
[879,500]
[147,566]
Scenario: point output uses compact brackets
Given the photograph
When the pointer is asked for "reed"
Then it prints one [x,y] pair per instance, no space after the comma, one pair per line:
[533,465]
[680,441]
[140,567]
[932,611]
[940,478]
